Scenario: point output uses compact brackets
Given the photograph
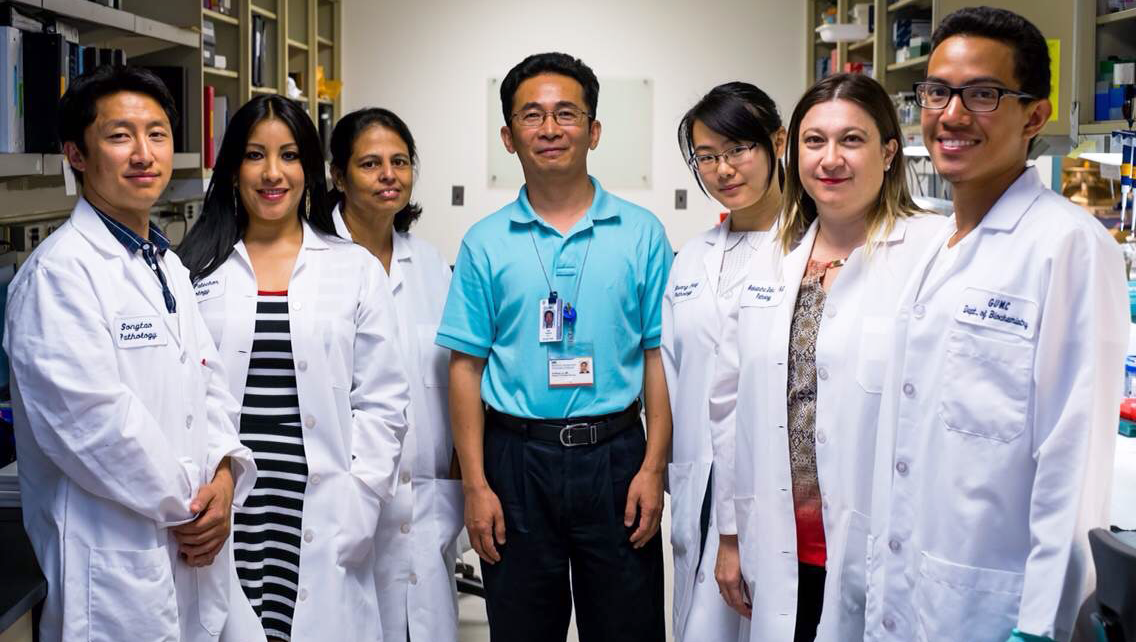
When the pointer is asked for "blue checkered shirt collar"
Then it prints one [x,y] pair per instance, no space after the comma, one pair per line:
[150,249]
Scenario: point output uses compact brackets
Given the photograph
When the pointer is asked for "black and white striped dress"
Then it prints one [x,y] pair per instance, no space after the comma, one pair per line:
[266,532]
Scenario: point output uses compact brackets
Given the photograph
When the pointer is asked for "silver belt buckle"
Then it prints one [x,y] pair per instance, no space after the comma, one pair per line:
[566,439]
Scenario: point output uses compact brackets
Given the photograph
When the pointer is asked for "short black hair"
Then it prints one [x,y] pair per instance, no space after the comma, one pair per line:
[1031,53]
[78,108]
[343,137]
[739,111]
[550,63]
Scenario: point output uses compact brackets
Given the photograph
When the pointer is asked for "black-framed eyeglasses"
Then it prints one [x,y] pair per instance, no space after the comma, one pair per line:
[565,116]
[734,155]
[976,98]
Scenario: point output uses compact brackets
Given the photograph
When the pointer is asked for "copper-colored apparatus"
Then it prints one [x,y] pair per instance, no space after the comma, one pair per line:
[1084,185]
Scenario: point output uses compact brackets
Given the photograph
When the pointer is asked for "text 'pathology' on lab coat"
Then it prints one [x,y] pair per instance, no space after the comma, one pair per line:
[353,397]
[122,413]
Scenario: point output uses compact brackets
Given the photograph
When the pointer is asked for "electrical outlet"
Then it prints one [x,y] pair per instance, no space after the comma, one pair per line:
[457,195]
[25,237]
[680,199]
[190,209]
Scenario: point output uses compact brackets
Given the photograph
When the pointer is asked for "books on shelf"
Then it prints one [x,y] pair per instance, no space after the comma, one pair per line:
[46,66]
[11,91]
[207,150]
[216,112]
[10,486]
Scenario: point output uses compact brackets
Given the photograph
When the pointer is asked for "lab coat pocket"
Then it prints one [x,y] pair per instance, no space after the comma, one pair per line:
[951,598]
[853,568]
[684,531]
[986,386]
[131,596]
[872,357]
[434,360]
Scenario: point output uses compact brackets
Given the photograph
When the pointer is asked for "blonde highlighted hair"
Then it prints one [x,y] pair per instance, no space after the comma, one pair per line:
[894,201]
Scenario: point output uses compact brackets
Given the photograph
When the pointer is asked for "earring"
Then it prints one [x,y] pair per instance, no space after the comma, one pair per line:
[308,203]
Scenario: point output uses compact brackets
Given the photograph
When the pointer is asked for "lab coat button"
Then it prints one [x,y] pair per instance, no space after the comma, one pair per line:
[303,595]
[821,437]
[830,311]
[315,479]
[296,305]
[301,365]
[404,477]
[822,373]
[889,624]
[701,578]
[309,421]
[404,529]
[413,578]
[894,545]
[908,390]
[901,468]
[716,349]
[919,310]
[183,357]
[309,536]
[188,421]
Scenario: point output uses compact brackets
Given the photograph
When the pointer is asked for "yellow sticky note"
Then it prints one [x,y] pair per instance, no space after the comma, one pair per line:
[1087,146]
[1054,75]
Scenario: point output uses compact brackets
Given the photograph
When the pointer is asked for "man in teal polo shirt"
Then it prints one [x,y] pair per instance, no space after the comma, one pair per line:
[557,473]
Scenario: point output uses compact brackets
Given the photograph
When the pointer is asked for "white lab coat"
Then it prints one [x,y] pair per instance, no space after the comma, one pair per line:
[116,433]
[694,332]
[851,354]
[353,395]
[416,549]
[997,430]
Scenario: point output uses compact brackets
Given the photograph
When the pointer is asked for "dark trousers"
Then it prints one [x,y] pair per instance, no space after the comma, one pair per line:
[566,542]
[810,597]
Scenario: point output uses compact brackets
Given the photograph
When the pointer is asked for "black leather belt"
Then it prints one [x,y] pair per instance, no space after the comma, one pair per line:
[574,431]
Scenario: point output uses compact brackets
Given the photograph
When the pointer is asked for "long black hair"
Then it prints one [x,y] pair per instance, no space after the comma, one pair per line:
[223,218]
[343,138]
[739,111]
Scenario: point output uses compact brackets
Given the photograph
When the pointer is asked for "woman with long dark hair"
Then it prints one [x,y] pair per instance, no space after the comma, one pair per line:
[305,325]
[373,166]
[813,330]
[732,140]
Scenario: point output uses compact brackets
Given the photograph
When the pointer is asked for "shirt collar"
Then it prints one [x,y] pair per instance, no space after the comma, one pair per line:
[602,206]
[1014,202]
[129,239]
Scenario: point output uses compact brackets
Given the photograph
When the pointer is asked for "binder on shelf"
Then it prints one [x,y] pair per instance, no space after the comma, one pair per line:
[176,80]
[220,121]
[207,150]
[10,16]
[258,50]
[11,91]
[45,80]
[208,42]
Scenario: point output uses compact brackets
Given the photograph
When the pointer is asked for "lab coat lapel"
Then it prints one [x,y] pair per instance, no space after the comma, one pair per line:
[712,259]
[141,278]
[400,261]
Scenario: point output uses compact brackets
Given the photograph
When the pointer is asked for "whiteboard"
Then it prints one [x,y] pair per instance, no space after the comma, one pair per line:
[623,157]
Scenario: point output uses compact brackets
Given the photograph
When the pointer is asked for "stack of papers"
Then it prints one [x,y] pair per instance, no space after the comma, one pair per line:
[9,487]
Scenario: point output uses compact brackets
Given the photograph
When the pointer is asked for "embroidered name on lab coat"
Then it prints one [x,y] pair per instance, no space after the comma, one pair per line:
[210,287]
[687,291]
[138,332]
[999,311]
[762,294]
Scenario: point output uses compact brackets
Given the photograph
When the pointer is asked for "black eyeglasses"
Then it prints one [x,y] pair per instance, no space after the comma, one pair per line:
[735,156]
[976,98]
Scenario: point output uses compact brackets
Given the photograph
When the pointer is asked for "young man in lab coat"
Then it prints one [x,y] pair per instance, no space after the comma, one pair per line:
[556,471]
[129,460]
[1000,406]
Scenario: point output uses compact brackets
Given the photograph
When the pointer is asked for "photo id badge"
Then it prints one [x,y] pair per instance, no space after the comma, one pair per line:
[571,366]
[551,321]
